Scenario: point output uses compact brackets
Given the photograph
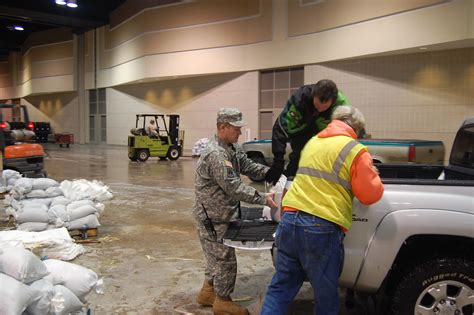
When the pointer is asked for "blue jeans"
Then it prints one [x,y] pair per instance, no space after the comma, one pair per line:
[308,248]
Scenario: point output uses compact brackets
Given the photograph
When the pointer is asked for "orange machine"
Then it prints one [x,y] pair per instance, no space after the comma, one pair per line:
[18,152]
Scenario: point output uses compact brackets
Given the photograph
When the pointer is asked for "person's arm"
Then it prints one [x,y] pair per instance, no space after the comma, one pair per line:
[226,177]
[365,180]
[249,167]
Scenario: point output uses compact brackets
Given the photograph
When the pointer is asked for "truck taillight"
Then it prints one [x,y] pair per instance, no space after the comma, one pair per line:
[3,125]
[411,153]
[31,125]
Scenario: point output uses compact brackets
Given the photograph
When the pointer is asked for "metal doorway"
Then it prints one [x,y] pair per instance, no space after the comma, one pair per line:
[97,116]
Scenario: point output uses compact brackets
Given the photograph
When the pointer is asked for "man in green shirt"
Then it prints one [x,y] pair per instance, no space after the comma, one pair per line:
[307,112]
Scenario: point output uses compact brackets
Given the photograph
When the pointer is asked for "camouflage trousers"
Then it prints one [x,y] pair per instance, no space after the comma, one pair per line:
[221,266]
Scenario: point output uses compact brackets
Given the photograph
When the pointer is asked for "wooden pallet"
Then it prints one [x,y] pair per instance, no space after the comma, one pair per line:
[84,233]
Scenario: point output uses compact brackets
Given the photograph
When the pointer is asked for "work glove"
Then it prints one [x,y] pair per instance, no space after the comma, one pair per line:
[273,174]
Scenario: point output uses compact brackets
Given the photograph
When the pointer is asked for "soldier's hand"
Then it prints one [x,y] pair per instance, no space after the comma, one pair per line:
[269,200]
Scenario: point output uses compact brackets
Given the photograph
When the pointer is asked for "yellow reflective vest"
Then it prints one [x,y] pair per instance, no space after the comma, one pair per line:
[322,185]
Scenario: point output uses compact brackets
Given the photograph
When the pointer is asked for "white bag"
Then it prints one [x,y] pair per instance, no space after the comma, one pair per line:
[43,183]
[21,264]
[43,305]
[58,211]
[80,212]
[15,296]
[36,213]
[64,301]
[23,185]
[79,203]
[78,279]
[32,226]
[60,200]
[54,192]
[37,193]
[88,222]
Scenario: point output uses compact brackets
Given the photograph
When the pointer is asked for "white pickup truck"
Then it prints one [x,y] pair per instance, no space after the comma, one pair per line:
[393,151]
[413,251]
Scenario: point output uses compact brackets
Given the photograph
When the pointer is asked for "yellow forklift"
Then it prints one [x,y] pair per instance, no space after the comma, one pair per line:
[164,143]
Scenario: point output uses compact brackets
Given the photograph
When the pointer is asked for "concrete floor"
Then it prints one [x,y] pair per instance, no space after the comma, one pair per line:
[149,254]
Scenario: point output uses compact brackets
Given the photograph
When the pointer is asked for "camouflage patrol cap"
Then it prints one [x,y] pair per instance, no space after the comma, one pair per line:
[231,116]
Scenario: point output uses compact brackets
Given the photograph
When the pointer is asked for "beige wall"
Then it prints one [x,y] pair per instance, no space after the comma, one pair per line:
[197,100]
[185,50]
[60,109]
[416,96]
[311,16]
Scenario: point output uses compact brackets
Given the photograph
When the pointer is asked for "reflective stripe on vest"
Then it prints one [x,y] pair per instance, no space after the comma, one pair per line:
[336,168]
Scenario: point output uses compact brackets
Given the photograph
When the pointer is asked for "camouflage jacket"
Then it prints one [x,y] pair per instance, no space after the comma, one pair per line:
[218,186]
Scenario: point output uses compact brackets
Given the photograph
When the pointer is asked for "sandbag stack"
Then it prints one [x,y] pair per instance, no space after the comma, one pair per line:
[199,147]
[38,204]
[32,286]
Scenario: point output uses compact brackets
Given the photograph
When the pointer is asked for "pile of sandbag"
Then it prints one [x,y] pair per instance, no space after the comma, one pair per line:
[38,204]
[199,146]
[56,243]
[32,286]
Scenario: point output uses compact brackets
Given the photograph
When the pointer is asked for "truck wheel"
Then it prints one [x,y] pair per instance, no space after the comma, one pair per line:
[143,155]
[259,160]
[173,153]
[436,286]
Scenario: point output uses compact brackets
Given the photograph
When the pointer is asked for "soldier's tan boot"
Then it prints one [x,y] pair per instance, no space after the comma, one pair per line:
[225,306]
[206,296]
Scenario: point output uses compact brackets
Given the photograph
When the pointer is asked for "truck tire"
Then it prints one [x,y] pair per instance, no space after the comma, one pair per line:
[259,160]
[173,153]
[143,155]
[436,286]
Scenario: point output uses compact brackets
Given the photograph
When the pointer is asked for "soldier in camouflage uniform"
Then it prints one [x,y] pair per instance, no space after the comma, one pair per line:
[219,191]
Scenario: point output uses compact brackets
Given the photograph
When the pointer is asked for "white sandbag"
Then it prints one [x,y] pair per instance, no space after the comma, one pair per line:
[10,174]
[79,203]
[32,226]
[21,264]
[64,301]
[38,213]
[15,296]
[35,201]
[12,181]
[58,211]
[24,185]
[80,212]
[88,222]
[78,279]
[61,200]
[42,306]
[84,189]
[53,192]
[12,243]
[37,193]
[43,183]
[56,243]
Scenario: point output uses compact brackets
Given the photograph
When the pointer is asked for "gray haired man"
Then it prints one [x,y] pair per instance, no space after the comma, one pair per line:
[219,190]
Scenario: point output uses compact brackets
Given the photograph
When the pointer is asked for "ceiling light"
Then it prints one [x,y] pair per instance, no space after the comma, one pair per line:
[72,3]
[423,48]
[61,2]
[18,28]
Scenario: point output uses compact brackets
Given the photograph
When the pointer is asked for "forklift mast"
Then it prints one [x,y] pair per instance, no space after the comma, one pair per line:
[174,128]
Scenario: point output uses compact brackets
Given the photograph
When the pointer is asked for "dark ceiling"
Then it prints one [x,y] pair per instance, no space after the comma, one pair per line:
[40,15]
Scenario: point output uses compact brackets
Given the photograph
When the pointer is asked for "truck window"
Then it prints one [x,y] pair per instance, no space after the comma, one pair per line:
[463,148]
